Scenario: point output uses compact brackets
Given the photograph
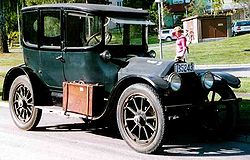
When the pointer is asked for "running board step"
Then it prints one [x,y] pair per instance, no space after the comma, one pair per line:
[59,111]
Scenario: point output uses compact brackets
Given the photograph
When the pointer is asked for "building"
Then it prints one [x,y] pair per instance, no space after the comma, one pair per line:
[177,10]
[116,2]
[203,28]
[236,10]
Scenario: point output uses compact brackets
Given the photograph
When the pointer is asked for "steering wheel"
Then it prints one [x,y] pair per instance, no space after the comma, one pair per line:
[96,38]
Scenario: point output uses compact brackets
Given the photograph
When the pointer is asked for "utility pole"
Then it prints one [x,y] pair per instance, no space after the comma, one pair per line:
[159,2]
[18,24]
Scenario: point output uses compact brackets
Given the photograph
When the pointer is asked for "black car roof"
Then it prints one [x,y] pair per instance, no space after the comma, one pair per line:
[97,9]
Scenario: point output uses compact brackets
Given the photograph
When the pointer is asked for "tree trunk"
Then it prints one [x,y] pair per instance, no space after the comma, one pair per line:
[3,42]
[3,35]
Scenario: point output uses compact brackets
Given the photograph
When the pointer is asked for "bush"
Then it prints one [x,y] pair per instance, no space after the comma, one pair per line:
[13,38]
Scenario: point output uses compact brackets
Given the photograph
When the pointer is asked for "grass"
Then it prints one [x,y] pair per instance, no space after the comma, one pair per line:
[244,112]
[245,86]
[11,59]
[233,50]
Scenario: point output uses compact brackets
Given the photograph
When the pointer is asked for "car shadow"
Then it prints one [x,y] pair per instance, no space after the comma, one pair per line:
[185,138]
[111,131]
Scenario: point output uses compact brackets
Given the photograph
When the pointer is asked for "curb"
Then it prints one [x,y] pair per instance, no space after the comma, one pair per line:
[223,66]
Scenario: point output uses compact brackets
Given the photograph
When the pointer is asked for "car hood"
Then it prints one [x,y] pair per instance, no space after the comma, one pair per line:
[141,66]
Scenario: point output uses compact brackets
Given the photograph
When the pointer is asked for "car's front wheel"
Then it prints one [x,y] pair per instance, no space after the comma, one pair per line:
[140,118]
[21,101]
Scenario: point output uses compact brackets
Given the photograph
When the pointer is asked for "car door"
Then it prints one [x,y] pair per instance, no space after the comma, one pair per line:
[51,69]
[82,49]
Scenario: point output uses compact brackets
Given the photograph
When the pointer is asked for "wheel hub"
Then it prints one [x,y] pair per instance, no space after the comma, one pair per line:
[20,103]
[140,119]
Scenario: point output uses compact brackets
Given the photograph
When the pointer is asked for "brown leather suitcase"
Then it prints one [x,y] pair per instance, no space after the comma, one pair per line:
[82,98]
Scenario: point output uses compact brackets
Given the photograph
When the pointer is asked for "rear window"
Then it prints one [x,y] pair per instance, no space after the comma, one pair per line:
[30,28]
[165,32]
[243,23]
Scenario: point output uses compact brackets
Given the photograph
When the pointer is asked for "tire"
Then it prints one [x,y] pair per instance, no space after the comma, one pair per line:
[168,39]
[221,118]
[21,101]
[140,118]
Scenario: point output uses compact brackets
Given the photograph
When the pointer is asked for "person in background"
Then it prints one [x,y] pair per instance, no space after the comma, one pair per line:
[181,45]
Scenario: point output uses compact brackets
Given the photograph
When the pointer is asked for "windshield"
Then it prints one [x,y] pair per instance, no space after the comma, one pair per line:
[126,32]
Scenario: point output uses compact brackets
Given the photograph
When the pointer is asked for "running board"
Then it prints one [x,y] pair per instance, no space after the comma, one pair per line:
[59,111]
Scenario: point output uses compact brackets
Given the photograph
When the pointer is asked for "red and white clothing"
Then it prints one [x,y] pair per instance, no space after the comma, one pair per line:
[181,47]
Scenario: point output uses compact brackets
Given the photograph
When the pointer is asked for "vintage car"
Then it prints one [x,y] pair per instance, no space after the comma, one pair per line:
[102,51]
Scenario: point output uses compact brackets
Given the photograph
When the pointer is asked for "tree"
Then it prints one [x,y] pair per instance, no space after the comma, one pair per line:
[145,4]
[217,6]
[246,5]
[3,34]
[34,2]
[197,7]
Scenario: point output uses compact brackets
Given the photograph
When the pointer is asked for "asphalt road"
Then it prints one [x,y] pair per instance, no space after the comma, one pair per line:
[62,138]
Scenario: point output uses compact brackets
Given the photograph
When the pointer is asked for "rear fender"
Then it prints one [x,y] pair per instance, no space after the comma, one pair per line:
[10,76]
[38,87]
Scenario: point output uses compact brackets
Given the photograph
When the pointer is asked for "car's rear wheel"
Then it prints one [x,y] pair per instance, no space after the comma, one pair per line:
[21,101]
[168,39]
[140,118]
[221,115]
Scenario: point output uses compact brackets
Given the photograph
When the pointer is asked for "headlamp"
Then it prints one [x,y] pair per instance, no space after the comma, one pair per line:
[175,81]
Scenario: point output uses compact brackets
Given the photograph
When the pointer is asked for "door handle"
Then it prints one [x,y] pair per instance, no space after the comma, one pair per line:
[60,58]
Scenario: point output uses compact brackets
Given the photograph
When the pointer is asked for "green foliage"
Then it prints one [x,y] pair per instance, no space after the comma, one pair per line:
[145,4]
[246,4]
[52,27]
[3,36]
[217,6]
[13,37]
[35,2]
[196,7]
[153,13]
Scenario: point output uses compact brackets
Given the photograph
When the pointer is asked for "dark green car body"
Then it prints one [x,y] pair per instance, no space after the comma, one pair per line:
[107,45]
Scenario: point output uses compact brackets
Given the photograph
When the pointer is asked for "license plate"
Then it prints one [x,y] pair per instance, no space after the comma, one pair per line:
[184,67]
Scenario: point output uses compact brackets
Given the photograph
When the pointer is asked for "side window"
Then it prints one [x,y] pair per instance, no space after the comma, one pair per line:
[30,28]
[51,27]
[82,30]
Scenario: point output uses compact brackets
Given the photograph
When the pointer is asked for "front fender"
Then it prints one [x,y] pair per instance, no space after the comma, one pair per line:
[230,79]
[156,82]
[224,77]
